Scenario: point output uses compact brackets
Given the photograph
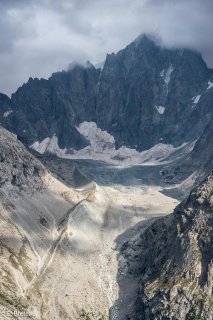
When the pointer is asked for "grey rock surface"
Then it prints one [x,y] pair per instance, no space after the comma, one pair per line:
[18,167]
[143,77]
[199,161]
[145,94]
[173,262]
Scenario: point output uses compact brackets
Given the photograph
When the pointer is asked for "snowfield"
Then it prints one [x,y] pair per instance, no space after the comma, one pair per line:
[102,147]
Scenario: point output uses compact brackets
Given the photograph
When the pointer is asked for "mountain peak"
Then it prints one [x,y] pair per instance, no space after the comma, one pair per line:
[147,40]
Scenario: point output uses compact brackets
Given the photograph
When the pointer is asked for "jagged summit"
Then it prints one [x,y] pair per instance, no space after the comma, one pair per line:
[143,95]
[147,40]
[75,64]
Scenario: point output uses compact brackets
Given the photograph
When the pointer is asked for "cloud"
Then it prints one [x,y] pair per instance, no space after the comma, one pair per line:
[38,37]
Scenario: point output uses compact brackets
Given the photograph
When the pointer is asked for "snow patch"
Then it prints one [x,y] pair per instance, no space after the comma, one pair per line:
[48,145]
[196,99]
[210,84]
[166,74]
[7,113]
[102,147]
[40,147]
[160,109]
[54,148]
[99,140]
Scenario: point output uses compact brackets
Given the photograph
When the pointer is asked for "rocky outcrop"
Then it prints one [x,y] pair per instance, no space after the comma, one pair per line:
[173,262]
[201,157]
[196,163]
[6,109]
[144,94]
[17,166]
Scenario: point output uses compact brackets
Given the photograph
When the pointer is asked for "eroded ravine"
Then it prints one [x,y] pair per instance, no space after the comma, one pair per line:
[52,250]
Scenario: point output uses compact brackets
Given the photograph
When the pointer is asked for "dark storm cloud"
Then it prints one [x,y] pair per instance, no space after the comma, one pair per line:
[38,37]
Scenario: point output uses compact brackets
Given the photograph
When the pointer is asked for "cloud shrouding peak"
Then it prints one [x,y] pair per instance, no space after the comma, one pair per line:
[38,37]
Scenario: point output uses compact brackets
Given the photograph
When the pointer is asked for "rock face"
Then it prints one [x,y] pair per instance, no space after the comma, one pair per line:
[173,262]
[201,156]
[6,110]
[145,94]
[196,163]
[17,166]
[153,94]
[42,108]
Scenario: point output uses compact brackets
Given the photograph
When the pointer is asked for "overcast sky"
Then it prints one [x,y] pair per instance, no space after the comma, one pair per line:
[38,37]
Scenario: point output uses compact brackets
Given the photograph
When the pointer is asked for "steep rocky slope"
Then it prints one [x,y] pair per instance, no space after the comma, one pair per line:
[17,166]
[193,166]
[34,209]
[201,157]
[6,108]
[57,250]
[153,94]
[172,263]
[42,108]
[143,95]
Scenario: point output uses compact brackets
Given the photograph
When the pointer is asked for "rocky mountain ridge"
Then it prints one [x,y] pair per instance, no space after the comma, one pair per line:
[143,95]
[172,262]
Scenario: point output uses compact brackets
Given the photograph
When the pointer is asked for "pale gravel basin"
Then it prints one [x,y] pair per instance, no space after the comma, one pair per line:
[73,256]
